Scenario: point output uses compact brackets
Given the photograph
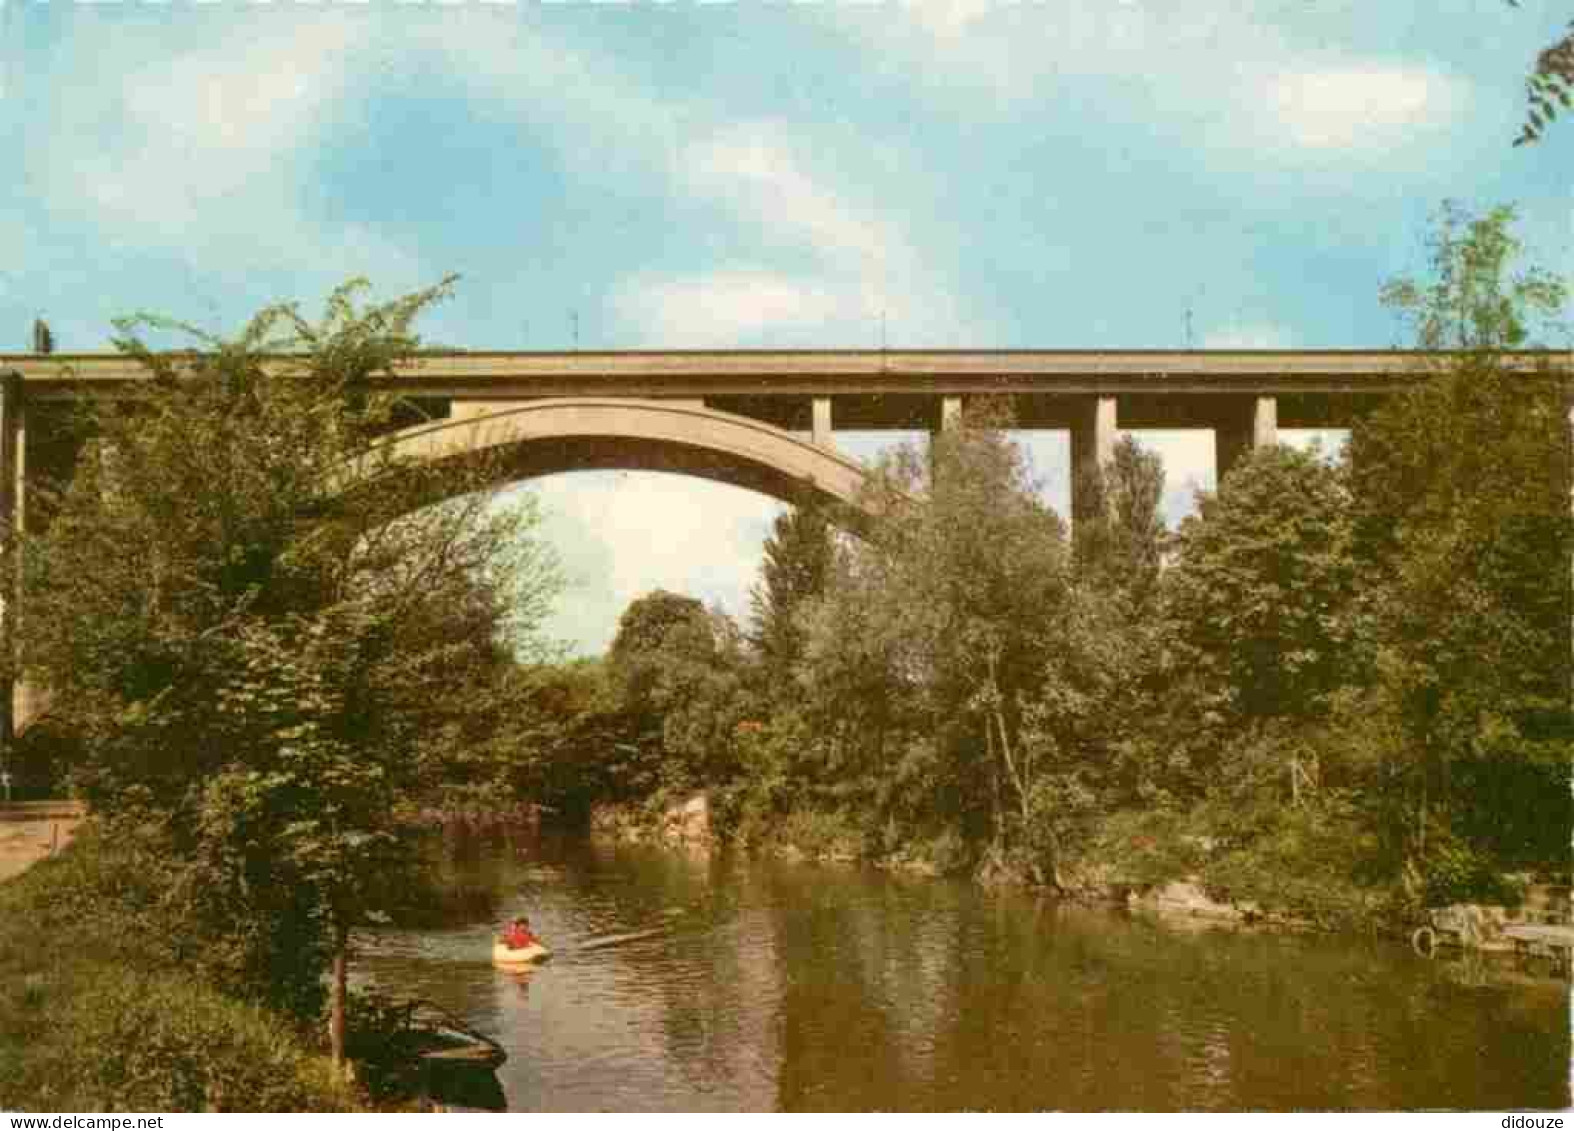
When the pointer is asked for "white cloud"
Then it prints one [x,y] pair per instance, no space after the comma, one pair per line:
[756,308]
[1361,106]
[1188,467]
[1010,52]
[867,273]
[1241,77]
[754,171]
[1259,336]
[861,266]
[622,534]
[722,308]
[948,21]
[865,279]
[601,120]
[207,126]
[203,152]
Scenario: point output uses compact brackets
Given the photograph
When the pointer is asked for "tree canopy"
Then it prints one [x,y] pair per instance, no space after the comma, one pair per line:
[1548,87]
[263,625]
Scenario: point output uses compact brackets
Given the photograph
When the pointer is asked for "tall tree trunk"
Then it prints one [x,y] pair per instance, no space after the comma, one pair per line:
[1421,816]
[996,810]
[341,947]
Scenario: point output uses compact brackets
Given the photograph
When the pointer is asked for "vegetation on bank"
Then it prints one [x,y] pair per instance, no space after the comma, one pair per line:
[270,644]
[1339,691]
[108,999]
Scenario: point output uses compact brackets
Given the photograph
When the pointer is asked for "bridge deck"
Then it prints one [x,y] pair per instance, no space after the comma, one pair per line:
[651,373]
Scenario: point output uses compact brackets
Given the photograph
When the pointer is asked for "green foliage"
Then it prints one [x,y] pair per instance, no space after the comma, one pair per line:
[820,834]
[1306,863]
[1461,512]
[1264,592]
[110,998]
[1548,87]
[565,741]
[702,696]
[1340,692]
[1141,847]
[797,560]
[678,672]
[1122,547]
[643,628]
[378,1039]
[157,1042]
[270,634]
[1474,300]
[924,649]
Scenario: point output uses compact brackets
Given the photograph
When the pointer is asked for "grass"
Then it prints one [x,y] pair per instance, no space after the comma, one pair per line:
[96,1016]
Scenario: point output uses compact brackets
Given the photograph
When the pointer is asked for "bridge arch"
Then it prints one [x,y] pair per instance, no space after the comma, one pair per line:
[527,439]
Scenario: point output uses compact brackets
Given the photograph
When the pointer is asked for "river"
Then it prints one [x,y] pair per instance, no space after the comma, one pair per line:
[685,984]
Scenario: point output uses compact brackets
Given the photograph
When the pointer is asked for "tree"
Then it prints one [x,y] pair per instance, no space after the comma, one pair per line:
[1122,548]
[1264,586]
[642,628]
[261,624]
[701,695]
[1548,87]
[1474,300]
[679,672]
[797,559]
[646,622]
[926,644]
[1460,490]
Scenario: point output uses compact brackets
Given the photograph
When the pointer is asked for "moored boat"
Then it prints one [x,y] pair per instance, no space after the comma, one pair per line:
[436,1037]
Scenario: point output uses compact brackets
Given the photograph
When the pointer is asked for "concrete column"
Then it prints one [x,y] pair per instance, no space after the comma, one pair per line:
[1265,422]
[12,470]
[821,431]
[1092,446]
[1568,392]
[1249,424]
[950,413]
[27,701]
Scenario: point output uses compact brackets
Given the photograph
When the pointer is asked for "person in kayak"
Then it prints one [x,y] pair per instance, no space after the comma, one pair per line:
[518,935]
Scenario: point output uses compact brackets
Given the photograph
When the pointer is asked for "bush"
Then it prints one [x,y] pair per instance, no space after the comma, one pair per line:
[92,1036]
[820,834]
[1307,862]
[1455,872]
[123,881]
[107,1002]
[1144,849]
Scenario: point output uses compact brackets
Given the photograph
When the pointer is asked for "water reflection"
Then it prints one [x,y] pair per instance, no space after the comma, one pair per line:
[681,984]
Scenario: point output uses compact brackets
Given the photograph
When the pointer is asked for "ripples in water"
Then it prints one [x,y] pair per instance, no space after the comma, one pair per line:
[681,984]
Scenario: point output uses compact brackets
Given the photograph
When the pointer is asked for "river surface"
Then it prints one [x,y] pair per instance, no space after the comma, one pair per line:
[685,984]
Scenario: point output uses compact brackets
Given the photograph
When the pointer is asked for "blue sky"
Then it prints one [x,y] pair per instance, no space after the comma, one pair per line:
[1116,173]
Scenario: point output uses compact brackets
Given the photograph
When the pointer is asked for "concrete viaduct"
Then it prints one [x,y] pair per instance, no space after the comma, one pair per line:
[765,419]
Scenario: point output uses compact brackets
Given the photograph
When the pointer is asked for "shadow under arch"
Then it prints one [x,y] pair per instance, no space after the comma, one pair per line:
[524,440]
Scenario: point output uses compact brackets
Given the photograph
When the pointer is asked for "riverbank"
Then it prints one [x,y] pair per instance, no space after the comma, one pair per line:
[1183,898]
[99,1008]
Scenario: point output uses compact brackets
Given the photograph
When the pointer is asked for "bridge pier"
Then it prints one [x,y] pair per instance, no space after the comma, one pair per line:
[13,495]
[821,431]
[950,413]
[1247,424]
[1093,432]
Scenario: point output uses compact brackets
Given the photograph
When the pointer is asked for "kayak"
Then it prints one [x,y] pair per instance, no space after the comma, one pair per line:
[503,955]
